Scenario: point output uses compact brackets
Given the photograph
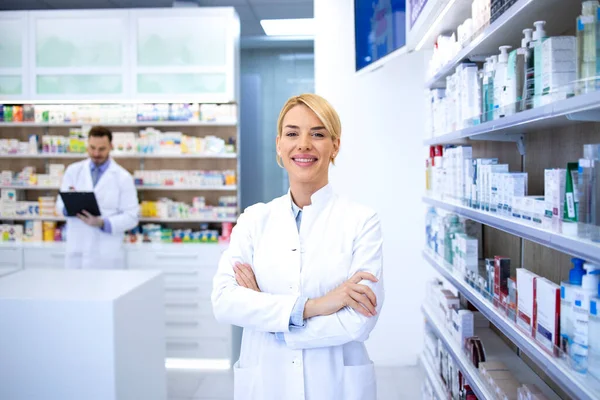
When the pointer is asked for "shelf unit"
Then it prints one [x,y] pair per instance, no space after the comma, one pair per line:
[434,378]
[578,247]
[37,218]
[495,349]
[507,29]
[187,220]
[557,369]
[175,124]
[558,114]
[123,156]
[531,128]
[142,187]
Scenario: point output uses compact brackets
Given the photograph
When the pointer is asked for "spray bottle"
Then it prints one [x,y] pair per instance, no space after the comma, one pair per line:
[566,302]
[581,317]
[500,83]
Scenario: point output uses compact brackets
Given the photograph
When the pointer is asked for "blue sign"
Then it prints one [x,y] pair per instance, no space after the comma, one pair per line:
[379,29]
[416,6]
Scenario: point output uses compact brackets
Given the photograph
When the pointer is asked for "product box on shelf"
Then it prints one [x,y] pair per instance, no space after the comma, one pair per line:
[554,197]
[526,290]
[559,68]
[462,326]
[501,275]
[547,314]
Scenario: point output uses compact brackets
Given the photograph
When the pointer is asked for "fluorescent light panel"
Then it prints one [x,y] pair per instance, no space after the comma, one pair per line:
[198,364]
[288,27]
[434,26]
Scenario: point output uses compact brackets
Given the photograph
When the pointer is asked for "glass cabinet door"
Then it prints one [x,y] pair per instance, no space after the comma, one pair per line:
[13,62]
[78,54]
[185,53]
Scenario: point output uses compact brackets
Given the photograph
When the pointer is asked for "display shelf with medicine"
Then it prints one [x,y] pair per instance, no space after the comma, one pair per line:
[576,246]
[507,30]
[495,351]
[32,218]
[434,378]
[139,187]
[187,220]
[174,124]
[122,156]
[563,113]
[555,366]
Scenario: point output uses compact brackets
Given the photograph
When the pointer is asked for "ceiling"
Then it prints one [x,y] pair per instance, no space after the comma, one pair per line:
[250,11]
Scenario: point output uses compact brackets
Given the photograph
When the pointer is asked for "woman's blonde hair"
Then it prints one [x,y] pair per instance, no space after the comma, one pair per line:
[321,107]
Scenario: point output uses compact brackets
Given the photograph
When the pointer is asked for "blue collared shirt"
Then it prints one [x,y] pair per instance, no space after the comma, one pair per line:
[107,228]
[297,316]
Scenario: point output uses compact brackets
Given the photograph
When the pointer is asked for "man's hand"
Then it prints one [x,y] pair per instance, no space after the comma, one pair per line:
[89,219]
[244,276]
[349,294]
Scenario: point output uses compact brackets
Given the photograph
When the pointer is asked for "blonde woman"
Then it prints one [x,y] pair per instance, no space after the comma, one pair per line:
[303,275]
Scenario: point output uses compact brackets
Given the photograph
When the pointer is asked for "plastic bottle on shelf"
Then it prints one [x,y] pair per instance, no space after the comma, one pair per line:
[566,302]
[589,193]
[530,89]
[539,36]
[594,334]
[581,316]
[500,82]
[521,70]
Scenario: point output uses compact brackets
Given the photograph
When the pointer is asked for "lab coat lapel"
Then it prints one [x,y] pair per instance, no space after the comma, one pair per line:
[85,177]
[106,177]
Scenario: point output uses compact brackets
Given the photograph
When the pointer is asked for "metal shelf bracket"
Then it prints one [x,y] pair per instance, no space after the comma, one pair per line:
[517,138]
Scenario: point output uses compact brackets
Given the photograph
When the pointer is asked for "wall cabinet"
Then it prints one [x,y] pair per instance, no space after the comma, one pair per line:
[143,55]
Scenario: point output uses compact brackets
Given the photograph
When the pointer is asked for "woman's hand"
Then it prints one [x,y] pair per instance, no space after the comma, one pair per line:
[348,294]
[244,276]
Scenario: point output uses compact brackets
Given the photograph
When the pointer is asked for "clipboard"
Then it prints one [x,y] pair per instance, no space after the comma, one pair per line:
[76,202]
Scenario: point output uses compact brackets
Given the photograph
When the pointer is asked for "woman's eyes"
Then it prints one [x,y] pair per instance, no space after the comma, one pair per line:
[315,134]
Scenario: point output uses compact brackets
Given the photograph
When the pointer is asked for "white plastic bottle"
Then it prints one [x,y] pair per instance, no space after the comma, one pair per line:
[500,83]
[581,316]
[566,302]
[594,334]
[539,36]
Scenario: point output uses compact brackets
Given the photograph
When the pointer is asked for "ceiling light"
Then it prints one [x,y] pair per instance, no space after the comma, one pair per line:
[288,27]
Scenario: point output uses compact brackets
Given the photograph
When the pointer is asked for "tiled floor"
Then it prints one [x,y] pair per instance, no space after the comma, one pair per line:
[392,384]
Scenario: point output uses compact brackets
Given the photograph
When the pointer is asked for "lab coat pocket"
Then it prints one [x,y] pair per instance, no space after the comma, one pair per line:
[359,382]
[245,383]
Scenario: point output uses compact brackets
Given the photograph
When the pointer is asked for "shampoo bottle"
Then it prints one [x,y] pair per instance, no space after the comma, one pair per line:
[539,36]
[594,335]
[581,316]
[500,82]
[566,302]
[521,69]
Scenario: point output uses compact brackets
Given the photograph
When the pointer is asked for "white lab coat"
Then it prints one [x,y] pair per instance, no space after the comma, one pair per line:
[326,359]
[89,247]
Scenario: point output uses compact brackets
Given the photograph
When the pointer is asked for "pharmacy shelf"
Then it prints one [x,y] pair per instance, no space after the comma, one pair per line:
[557,369]
[434,378]
[229,188]
[58,219]
[566,112]
[560,16]
[578,247]
[186,220]
[468,369]
[116,124]
[123,156]
[495,350]
[30,187]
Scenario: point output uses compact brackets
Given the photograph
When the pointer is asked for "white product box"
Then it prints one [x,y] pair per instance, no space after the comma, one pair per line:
[539,207]
[528,209]
[555,182]
[469,179]
[491,192]
[463,325]
[517,207]
[547,318]
[8,195]
[481,172]
[515,186]
[525,300]
[497,192]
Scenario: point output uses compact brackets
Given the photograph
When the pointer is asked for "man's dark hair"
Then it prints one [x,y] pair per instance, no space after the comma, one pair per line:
[100,131]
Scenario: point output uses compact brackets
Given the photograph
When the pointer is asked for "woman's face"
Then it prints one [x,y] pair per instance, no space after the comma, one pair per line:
[306,147]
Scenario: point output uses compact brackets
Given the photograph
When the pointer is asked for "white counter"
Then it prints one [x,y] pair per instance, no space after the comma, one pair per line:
[78,334]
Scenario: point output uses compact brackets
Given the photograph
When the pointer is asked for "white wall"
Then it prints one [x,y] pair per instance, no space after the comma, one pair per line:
[381,164]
